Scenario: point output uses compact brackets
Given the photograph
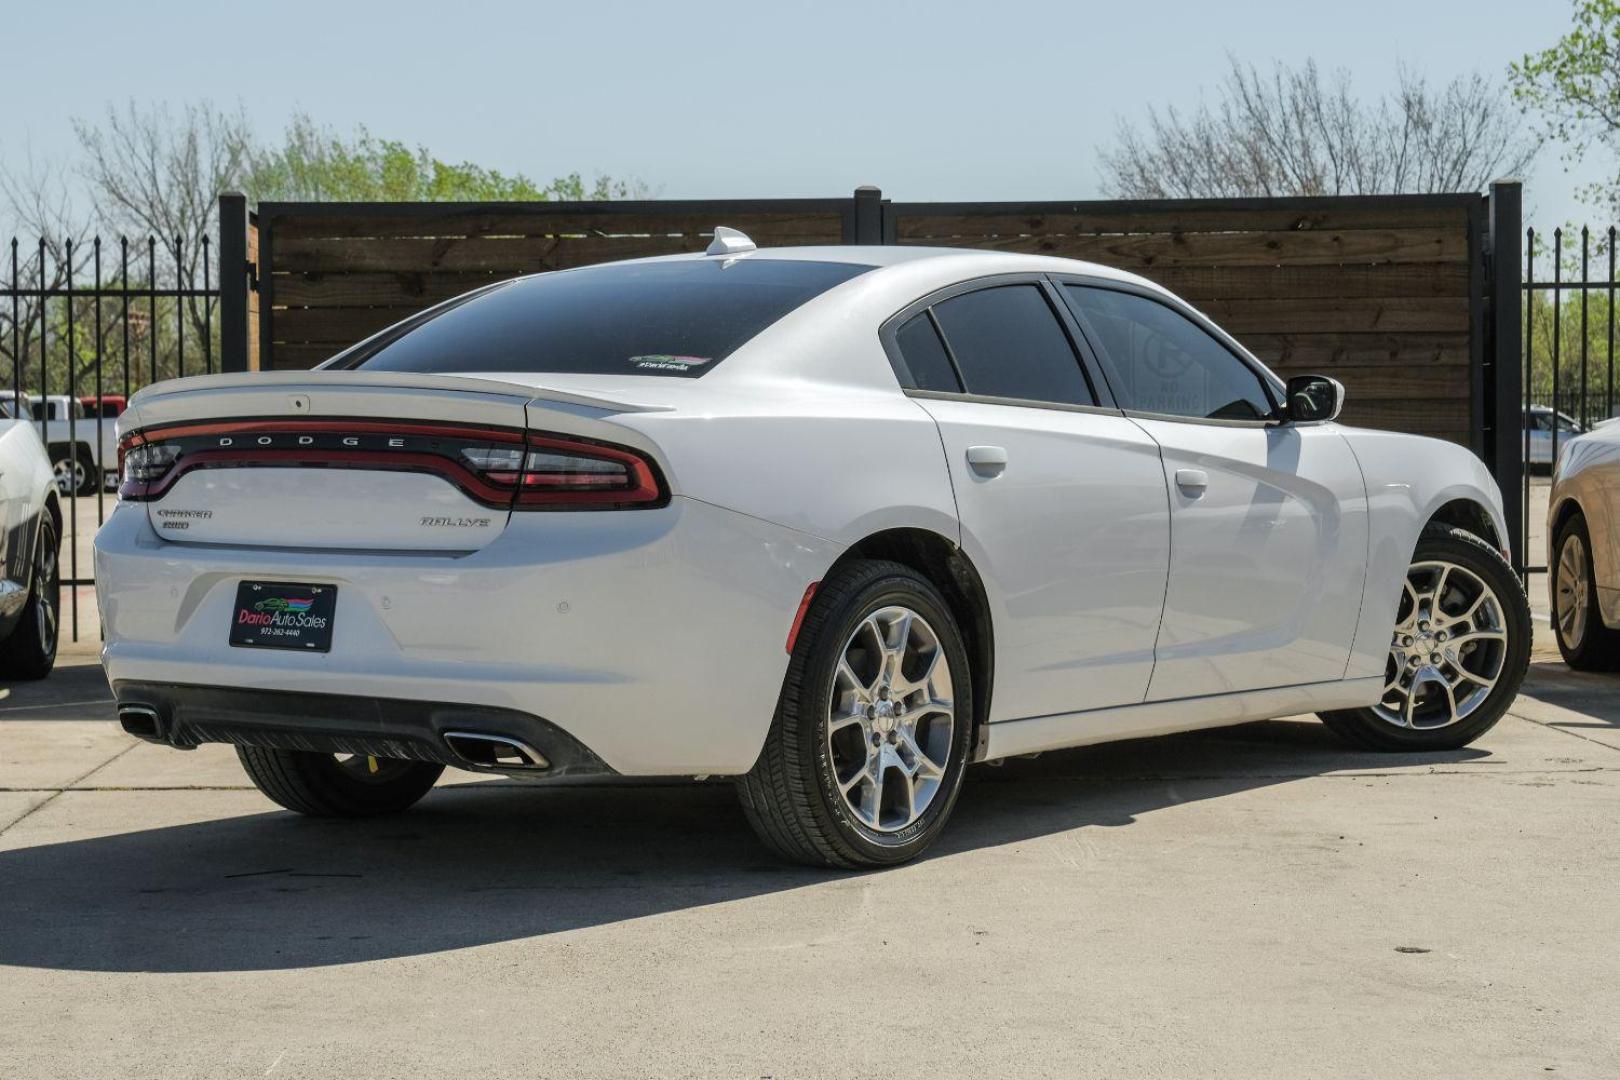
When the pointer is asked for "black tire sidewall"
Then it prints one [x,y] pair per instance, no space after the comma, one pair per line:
[915,592]
[21,654]
[1478,557]
[1595,650]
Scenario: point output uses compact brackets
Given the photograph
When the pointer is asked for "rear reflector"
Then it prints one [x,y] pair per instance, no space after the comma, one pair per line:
[798,616]
[495,467]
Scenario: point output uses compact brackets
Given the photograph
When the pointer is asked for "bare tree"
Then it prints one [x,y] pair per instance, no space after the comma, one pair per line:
[38,204]
[154,174]
[1294,132]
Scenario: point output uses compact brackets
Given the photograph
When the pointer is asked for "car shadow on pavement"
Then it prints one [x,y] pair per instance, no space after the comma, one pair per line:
[477,864]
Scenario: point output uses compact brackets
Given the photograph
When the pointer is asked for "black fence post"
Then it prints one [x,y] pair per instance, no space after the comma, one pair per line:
[868,215]
[1504,387]
[234,282]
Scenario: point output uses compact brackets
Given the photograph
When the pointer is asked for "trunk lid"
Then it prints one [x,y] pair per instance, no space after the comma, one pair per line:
[342,459]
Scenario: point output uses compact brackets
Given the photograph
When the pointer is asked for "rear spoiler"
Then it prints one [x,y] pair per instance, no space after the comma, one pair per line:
[315,381]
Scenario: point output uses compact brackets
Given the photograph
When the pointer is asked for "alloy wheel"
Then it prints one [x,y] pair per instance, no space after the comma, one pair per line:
[70,476]
[1448,651]
[1570,592]
[891,719]
[47,578]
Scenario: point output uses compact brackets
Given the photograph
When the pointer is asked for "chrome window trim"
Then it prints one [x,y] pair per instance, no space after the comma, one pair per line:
[1021,403]
[1090,370]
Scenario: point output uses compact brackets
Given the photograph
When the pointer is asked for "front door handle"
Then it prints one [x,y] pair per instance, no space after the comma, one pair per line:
[1192,481]
[987,460]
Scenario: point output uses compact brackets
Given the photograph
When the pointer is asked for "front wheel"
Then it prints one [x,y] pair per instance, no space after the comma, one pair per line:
[866,753]
[1585,642]
[337,785]
[1458,651]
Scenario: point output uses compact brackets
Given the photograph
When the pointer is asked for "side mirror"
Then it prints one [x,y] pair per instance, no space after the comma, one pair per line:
[1313,398]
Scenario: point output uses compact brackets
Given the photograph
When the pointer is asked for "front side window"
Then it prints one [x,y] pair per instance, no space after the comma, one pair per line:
[1160,361]
[1008,343]
[677,318]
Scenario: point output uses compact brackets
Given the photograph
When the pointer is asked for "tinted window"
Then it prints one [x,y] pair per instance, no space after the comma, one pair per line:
[924,356]
[1008,343]
[670,318]
[1160,361]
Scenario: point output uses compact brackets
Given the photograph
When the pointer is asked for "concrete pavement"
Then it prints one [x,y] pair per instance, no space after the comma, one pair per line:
[1251,903]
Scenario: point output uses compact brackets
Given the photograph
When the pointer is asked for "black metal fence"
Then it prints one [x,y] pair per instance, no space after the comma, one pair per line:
[83,325]
[1569,351]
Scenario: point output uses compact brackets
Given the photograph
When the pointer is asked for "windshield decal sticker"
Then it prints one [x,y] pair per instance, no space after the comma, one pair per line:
[668,362]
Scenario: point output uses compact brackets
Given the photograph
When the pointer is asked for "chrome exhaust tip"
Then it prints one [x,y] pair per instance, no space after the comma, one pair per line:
[481,750]
[141,721]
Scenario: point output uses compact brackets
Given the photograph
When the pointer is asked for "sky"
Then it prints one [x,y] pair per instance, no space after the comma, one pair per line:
[942,100]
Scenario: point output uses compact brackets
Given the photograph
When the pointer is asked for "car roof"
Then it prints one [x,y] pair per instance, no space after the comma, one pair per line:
[977,261]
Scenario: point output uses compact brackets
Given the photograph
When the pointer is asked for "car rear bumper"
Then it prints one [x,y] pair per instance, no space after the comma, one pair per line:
[437,731]
[654,638]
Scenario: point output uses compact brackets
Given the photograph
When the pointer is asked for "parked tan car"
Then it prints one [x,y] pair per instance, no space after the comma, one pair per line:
[1583,550]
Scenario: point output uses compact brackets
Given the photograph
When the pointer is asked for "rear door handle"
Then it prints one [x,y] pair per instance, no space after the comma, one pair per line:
[987,460]
[1192,481]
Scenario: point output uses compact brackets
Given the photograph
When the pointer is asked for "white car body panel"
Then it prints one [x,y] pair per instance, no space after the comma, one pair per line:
[26,483]
[657,637]
[1401,500]
[1283,525]
[1072,539]
[1588,478]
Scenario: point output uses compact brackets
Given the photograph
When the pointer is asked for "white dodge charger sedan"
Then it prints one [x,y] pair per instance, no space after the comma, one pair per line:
[834,522]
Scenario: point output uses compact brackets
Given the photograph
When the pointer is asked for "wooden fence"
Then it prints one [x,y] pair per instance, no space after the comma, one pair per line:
[330,274]
[1396,296]
[1375,292]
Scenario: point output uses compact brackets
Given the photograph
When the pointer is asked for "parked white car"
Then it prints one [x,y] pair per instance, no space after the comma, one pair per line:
[1539,424]
[832,521]
[1583,549]
[30,535]
[81,448]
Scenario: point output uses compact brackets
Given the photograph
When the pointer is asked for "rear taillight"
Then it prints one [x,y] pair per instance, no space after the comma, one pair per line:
[144,463]
[495,467]
[562,473]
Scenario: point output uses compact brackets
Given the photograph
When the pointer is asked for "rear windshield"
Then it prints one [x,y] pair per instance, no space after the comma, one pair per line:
[670,318]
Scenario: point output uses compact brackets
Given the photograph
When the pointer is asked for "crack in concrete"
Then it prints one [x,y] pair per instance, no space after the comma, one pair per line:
[54,792]
[1549,725]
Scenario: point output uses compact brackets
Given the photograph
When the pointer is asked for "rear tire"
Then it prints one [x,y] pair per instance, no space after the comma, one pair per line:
[29,651]
[866,753]
[1583,639]
[1457,658]
[321,785]
[75,469]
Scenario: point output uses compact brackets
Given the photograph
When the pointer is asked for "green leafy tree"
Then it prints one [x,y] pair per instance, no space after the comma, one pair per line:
[1573,88]
[318,164]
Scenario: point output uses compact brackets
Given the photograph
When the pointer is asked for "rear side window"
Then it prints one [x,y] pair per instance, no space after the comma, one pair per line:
[925,356]
[1160,361]
[670,318]
[1008,342]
